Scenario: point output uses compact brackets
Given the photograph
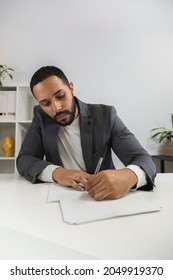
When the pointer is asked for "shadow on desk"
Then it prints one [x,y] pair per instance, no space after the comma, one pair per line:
[165,163]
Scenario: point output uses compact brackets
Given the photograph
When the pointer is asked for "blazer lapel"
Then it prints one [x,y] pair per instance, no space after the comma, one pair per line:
[86,130]
[52,134]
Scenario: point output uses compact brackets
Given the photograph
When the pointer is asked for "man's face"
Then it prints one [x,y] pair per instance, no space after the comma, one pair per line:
[56,100]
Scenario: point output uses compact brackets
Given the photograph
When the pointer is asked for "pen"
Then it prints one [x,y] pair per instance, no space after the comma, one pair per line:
[100,162]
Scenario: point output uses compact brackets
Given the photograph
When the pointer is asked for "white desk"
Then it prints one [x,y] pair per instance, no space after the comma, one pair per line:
[20,246]
[27,219]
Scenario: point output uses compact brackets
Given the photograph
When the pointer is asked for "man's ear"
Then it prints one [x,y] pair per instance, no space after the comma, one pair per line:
[71,86]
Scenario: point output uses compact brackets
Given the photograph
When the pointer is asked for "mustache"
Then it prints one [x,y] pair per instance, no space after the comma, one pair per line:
[61,113]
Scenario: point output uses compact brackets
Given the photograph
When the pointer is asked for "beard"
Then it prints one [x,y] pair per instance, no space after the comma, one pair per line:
[67,116]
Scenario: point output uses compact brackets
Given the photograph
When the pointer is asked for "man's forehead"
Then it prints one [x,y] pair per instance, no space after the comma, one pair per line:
[49,84]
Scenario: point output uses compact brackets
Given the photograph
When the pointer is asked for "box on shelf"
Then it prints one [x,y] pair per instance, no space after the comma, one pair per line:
[7,104]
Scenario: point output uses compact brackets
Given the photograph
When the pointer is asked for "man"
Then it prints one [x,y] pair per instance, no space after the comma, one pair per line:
[68,138]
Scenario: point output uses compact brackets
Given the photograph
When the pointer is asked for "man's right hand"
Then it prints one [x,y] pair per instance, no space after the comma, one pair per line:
[71,178]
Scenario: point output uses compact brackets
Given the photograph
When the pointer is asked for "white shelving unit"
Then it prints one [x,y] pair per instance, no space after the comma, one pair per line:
[16,112]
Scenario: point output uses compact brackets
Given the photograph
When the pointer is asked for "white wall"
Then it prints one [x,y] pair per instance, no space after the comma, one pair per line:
[117,52]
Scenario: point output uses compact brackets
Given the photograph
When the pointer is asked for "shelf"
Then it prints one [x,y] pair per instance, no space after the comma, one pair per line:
[8,88]
[16,113]
[7,158]
[5,121]
[24,122]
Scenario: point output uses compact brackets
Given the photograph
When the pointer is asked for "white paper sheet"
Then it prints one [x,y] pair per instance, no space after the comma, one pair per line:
[57,193]
[78,207]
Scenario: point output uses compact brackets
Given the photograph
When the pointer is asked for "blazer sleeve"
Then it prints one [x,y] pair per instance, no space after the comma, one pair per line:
[30,161]
[129,150]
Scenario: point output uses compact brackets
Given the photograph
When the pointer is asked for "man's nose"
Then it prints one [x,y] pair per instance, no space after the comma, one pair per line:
[56,106]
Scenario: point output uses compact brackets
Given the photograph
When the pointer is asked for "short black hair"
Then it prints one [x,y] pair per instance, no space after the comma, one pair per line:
[45,72]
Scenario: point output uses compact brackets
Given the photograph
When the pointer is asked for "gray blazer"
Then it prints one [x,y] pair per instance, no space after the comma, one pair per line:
[100,127]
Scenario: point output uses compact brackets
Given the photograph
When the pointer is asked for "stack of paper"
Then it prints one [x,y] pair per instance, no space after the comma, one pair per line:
[78,207]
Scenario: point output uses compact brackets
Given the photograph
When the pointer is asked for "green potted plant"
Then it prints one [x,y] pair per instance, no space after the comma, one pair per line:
[4,72]
[165,135]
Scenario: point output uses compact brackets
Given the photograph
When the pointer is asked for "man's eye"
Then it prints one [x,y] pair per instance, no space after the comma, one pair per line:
[60,96]
[45,104]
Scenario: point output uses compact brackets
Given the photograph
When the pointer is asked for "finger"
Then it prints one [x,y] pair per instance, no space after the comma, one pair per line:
[82,186]
[108,193]
[83,183]
[76,186]
[94,180]
[103,194]
[80,177]
[96,189]
[88,176]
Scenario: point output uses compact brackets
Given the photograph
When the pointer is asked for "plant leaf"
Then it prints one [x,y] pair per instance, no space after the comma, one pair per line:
[157,128]
[165,135]
[11,69]
[162,137]
[172,120]
[10,76]
[156,134]
[5,71]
